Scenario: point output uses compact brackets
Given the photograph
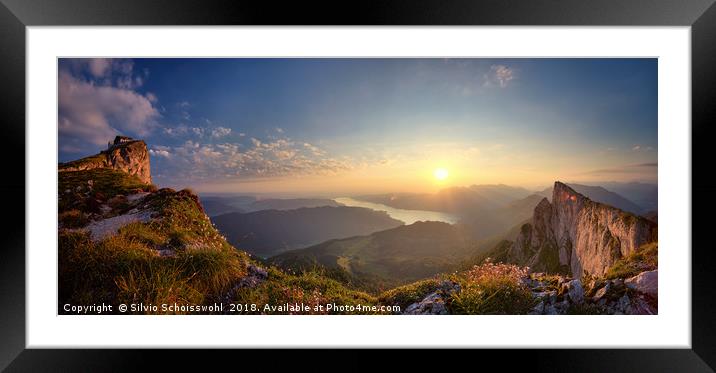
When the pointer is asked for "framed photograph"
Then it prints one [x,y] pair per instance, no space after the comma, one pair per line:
[421,176]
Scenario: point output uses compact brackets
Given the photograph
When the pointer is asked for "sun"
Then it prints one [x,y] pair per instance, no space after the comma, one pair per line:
[441,173]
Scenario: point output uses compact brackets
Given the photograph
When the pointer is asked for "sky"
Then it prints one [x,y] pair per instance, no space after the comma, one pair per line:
[347,126]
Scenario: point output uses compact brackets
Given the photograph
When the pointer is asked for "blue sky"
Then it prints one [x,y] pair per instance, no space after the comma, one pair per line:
[355,125]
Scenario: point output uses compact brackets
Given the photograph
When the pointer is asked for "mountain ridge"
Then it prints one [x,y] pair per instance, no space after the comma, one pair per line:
[124,154]
[575,235]
[158,246]
[270,232]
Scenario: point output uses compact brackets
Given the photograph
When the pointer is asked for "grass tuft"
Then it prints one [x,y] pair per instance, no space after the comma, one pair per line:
[73,219]
[645,258]
[492,289]
[406,295]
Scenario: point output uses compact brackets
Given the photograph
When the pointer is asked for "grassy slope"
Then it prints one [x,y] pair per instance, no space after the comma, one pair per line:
[643,259]
[485,289]
[489,288]
[387,258]
[127,268]
[97,160]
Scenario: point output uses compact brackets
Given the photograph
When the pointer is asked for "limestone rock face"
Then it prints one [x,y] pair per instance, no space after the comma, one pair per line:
[124,154]
[131,157]
[576,235]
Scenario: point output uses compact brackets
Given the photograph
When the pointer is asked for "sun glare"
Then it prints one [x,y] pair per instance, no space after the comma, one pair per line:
[441,173]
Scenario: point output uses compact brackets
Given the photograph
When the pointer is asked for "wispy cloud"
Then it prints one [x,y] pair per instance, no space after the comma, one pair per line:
[220,132]
[627,169]
[160,151]
[197,161]
[198,131]
[99,67]
[499,75]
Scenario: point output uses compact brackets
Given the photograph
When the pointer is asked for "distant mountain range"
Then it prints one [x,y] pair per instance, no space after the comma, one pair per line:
[218,205]
[643,194]
[483,224]
[600,194]
[572,235]
[121,239]
[290,204]
[456,200]
[575,235]
[270,232]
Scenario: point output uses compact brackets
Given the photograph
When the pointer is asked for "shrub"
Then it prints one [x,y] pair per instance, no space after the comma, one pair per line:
[493,289]
[143,232]
[156,282]
[309,288]
[212,271]
[73,219]
[406,295]
[126,268]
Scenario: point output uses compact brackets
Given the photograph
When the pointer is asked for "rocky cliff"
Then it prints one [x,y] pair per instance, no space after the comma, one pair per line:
[576,235]
[124,154]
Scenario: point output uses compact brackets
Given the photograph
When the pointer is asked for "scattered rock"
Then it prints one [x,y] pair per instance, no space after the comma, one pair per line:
[136,196]
[255,276]
[434,303]
[623,303]
[101,229]
[575,291]
[645,282]
[117,201]
[166,252]
[602,292]
[551,310]
[640,306]
[104,209]
[258,272]
[538,309]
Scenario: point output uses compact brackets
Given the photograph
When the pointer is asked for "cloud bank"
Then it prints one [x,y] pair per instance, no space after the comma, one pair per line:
[198,161]
[97,99]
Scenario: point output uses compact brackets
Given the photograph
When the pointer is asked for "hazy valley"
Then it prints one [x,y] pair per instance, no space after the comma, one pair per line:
[567,253]
[380,185]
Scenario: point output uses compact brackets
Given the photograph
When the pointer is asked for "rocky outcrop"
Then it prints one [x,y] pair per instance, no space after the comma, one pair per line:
[434,303]
[577,236]
[124,154]
[646,282]
[601,297]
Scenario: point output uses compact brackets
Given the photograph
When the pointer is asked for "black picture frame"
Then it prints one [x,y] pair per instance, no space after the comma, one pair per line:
[16,15]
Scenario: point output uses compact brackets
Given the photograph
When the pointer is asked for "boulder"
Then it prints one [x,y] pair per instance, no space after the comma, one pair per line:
[551,310]
[640,306]
[575,291]
[538,309]
[602,292]
[434,303]
[254,277]
[645,282]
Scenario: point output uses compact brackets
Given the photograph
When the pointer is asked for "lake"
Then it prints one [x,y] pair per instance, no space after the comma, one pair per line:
[406,216]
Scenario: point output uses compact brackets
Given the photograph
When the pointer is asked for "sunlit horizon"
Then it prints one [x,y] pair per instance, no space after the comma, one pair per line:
[345,127]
